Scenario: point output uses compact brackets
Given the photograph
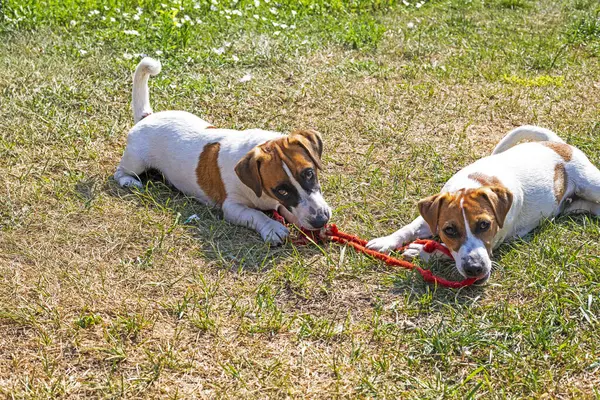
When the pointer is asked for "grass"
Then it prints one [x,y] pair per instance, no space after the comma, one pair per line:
[111,293]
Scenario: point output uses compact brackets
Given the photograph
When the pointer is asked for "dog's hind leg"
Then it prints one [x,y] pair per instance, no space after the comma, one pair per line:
[586,178]
[580,206]
[129,169]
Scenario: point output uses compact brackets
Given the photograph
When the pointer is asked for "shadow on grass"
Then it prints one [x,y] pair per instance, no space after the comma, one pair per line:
[223,244]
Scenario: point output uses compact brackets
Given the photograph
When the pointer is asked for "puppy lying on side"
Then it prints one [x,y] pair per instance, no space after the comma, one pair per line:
[242,172]
[502,196]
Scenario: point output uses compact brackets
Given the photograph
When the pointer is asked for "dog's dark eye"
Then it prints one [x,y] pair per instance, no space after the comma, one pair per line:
[483,226]
[450,231]
[283,192]
[309,174]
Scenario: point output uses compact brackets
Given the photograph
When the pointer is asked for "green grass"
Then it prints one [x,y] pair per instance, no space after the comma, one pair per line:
[109,293]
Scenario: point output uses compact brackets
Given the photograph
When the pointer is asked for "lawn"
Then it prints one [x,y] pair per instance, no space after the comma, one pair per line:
[109,293]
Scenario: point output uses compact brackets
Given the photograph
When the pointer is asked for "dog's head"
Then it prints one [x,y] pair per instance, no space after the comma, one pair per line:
[285,169]
[467,222]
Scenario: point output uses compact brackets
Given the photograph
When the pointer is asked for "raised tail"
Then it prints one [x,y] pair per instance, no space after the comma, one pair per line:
[526,132]
[140,94]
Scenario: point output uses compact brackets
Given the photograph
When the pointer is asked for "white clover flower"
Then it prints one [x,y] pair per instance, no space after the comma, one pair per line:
[131,32]
[73,22]
[246,78]
[112,19]
[136,17]
[237,12]
[419,5]
[406,3]
[255,17]
[219,51]
[127,56]
[158,52]
[187,17]
[93,12]
[276,33]
[83,52]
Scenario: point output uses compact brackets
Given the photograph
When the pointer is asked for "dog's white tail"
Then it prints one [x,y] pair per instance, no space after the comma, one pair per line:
[526,132]
[141,96]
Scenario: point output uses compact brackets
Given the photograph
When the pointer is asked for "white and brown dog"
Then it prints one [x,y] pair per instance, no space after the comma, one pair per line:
[242,172]
[503,196]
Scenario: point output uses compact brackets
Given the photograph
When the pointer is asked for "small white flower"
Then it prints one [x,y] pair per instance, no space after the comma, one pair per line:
[73,22]
[294,12]
[228,17]
[293,26]
[406,3]
[235,58]
[125,15]
[196,6]
[219,51]
[237,12]
[276,33]
[263,18]
[198,21]
[103,18]
[227,44]
[215,2]
[94,12]
[131,32]
[187,17]
[256,3]
[273,10]
[419,5]
[275,23]
[140,10]
[178,24]
[106,8]
[163,5]
[246,78]
[112,19]
[284,26]
[127,56]
[136,17]
[213,8]
[411,25]
[83,52]
[256,17]
[158,52]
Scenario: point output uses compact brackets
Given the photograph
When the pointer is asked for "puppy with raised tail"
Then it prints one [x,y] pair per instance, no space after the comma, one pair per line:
[243,172]
[502,196]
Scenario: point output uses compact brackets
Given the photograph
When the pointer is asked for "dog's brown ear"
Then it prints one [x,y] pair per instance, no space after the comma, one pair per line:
[311,141]
[500,198]
[248,170]
[429,208]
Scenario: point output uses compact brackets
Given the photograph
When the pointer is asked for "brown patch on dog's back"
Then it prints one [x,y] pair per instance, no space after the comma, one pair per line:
[208,174]
[562,149]
[485,180]
[560,182]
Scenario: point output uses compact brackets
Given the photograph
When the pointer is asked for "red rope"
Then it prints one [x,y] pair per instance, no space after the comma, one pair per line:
[334,234]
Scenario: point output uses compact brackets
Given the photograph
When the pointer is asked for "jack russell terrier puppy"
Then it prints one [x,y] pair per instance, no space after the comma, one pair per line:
[502,196]
[242,172]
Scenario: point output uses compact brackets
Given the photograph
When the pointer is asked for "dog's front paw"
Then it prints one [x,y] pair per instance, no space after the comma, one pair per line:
[274,233]
[384,244]
[415,250]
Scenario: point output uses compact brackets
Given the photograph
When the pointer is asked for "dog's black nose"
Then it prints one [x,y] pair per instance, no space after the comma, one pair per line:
[473,269]
[320,220]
